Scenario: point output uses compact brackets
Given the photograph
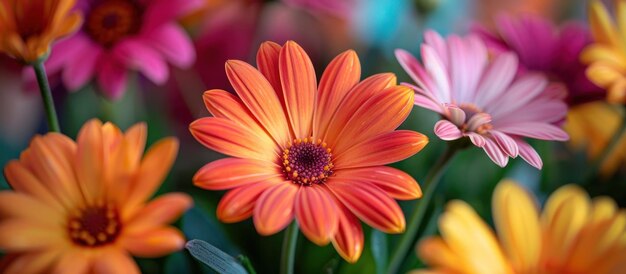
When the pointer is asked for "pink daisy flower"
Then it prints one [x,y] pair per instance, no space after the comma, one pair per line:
[544,47]
[482,99]
[118,36]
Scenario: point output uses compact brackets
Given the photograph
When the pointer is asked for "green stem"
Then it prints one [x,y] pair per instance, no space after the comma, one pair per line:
[46,95]
[606,153]
[431,182]
[289,249]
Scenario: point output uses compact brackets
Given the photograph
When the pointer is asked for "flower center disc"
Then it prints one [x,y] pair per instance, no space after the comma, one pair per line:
[113,20]
[307,162]
[95,226]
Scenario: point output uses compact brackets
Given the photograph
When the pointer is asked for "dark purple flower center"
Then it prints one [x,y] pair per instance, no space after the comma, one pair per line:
[307,162]
[94,226]
[111,20]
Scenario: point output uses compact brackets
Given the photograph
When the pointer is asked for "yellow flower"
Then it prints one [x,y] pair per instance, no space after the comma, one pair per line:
[81,207]
[573,234]
[28,27]
[592,126]
[607,55]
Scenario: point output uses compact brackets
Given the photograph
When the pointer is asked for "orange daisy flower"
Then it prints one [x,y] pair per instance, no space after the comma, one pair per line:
[28,27]
[81,207]
[311,152]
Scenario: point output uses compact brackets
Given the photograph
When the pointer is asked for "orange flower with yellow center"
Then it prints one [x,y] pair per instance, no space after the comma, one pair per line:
[573,235]
[81,207]
[311,152]
[29,27]
[607,55]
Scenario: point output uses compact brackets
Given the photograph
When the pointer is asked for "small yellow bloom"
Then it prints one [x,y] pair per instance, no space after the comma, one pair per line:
[29,27]
[592,126]
[83,207]
[607,55]
[573,234]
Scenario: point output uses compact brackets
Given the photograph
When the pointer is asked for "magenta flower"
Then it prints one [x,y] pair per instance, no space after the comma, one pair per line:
[482,99]
[544,47]
[122,35]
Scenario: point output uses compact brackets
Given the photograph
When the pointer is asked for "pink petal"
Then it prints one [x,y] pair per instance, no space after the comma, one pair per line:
[433,39]
[423,99]
[436,69]
[414,69]
[522,91]
[447,131]
[477,139]
[163,11]
[111,76]
[495,153]
[537,130]
[506,143]
[528,153]
[138,55]
[455,114]
[80,70]
[172,41]
[478,120]
[468,59]
[496,78]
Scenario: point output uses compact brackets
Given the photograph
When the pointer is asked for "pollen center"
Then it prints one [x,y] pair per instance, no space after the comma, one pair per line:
[94,226]
[307,162]
[112,20]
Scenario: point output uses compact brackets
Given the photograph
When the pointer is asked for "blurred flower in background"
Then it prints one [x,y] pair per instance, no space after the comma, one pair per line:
[122,35]
[573,234]
[607,55]
[302,150]
[482,99]
[81,207]
[29,27]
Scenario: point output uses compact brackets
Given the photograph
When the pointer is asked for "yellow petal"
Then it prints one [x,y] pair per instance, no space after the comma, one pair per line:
[517,221]
[564,215]
[602,27]
[468,236]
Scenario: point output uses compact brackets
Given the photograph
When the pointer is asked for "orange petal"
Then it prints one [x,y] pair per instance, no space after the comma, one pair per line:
[383,149]
[90,159]
[370,203]
[396,183]
[383,112]
[21,235]
[29,262]
[115,261]
[18,205]
[230,173]
[162,210]
[154,243]
[135,144]
[222,104]
[72,261]
[435,252]
[316,213]
[259,96]
[299,85]
[267,62]
[23,181]
[348,240]
[274,209]
[50,164]
[230,138]
[153,170]
[355,98]
[341,75]
[238,204]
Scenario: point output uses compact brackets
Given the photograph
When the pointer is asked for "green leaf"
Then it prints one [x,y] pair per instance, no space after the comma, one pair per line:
[379,250]
[214,258]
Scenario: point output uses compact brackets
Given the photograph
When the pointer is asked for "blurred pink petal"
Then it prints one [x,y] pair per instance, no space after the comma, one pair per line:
[544,47]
